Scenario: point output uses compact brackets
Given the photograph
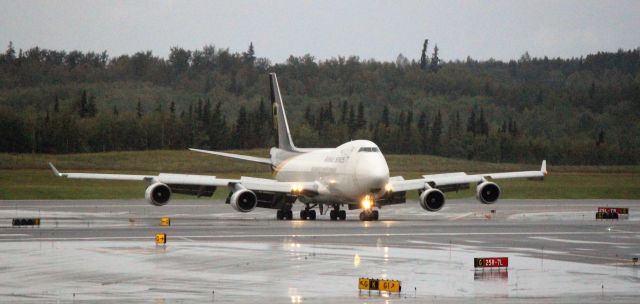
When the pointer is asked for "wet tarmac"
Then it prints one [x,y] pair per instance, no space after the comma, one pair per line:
[105,250]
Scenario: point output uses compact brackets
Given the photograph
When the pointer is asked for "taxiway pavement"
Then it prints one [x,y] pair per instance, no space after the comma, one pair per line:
[104,249]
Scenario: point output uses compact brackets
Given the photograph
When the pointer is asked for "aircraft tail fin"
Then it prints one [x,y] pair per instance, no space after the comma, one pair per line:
[280,124]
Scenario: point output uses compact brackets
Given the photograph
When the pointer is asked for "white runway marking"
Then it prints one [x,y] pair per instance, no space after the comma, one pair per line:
[462,216]
[242,236]
[574,241]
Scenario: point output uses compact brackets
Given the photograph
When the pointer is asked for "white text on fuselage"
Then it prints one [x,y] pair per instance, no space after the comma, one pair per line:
[340,159]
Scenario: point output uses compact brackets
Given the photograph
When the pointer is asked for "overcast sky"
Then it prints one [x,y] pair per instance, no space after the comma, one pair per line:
[368,29]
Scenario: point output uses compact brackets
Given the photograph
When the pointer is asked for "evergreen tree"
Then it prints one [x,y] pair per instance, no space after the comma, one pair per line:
[361,121]
[250,55]
[482,126]
[423,130]
[56,105]
[471,122]
[353,124]
[308,116]
[424,61]
[600,140]
[206,114]
[261,125]
[435,60]
[172,110]
[242,129]
[384,119]
[92,107]
[436,131]
[115,111]
[139,110]
[456,126]
[10,54]
[330,117]
[82,105]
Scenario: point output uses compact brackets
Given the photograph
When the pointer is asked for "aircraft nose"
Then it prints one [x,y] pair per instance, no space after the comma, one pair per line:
[373,174]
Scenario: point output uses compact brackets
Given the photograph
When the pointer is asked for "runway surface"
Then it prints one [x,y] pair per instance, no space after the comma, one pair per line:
[105,250]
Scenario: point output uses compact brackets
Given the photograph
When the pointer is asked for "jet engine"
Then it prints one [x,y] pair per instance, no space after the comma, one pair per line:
[488,192]
[158,194]
[243,200]
[432,200]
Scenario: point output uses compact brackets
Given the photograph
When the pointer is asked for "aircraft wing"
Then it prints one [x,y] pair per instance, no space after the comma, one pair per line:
[460,178]
[251,183]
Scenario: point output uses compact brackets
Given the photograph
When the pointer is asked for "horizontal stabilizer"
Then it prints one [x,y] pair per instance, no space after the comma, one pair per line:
[254,159]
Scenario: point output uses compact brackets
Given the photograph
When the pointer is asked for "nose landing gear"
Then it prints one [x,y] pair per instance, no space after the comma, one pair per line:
[369,215]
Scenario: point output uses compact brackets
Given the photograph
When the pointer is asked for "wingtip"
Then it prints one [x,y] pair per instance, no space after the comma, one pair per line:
[543,168]
[55,171]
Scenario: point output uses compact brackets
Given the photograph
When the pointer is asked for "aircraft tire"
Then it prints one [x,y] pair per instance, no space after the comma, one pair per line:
[312,215]
[333,215]
[304,214]
[279,215]
[289,215]
[363,217]
[375,215]
[342,215]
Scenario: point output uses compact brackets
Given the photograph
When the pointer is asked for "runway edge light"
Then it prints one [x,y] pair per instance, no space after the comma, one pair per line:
[165,221]
[161,238]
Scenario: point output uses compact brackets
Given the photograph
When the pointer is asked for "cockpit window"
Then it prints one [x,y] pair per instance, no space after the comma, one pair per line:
[368,149]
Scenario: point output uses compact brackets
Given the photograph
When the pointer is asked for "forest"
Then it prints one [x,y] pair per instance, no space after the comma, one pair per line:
[570,111]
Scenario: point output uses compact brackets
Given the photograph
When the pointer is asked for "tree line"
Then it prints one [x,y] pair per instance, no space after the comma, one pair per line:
[571,111]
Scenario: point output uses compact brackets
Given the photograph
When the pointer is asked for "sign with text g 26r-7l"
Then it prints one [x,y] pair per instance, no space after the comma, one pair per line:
[491,262]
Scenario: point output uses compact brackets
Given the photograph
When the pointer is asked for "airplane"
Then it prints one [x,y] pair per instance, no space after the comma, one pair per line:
[353,175]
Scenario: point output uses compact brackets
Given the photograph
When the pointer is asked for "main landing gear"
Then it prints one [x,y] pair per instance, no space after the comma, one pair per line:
[369,215]
[305,214]
[284,214]
[336,213]
[308,214]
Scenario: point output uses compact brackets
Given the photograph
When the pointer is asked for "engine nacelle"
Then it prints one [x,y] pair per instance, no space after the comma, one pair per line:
[488,192]
[243,200]
[158,194]
[432,200]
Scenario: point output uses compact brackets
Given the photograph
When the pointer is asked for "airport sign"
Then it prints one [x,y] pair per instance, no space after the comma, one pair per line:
[491,262]
[613,210]
[26,222]
[379,285]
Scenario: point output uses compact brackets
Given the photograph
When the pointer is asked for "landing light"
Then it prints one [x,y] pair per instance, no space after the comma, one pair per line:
[387,188]
[366,203]
[296,188]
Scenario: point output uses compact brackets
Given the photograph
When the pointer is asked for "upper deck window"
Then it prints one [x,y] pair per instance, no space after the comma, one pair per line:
[368,149]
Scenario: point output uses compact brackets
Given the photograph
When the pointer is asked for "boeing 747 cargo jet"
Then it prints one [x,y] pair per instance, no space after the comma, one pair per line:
[354,175]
